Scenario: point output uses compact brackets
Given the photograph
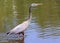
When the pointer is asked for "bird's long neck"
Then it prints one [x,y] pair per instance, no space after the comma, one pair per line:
[30,12]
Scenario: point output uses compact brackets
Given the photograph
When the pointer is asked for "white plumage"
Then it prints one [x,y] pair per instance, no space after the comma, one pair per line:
[21,27]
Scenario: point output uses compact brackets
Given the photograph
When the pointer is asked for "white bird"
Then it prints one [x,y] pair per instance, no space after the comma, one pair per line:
[23,26]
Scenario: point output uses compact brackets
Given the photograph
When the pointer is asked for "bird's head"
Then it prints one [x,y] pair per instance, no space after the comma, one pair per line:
[36,4]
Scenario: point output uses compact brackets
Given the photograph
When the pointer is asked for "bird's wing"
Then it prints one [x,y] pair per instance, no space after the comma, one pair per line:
[21,27]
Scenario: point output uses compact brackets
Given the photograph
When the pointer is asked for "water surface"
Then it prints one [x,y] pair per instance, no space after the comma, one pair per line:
[45,24]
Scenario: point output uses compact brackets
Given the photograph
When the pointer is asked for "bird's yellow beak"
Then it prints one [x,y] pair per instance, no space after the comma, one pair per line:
[39,3]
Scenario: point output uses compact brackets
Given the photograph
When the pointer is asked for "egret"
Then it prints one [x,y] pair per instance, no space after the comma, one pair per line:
[23,26]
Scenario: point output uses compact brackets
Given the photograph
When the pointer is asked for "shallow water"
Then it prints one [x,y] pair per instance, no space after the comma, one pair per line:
[44,27]
[33,35]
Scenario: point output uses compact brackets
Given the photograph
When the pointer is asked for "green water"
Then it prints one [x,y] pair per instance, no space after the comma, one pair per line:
[45,15]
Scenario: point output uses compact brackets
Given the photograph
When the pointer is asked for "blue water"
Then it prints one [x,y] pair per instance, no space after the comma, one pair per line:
[32,38]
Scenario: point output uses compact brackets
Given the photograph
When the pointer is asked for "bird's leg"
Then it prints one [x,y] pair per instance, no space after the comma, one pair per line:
[18,36]
[21,35]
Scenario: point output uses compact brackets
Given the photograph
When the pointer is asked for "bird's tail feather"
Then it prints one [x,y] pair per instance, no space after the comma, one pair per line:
[8,33]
